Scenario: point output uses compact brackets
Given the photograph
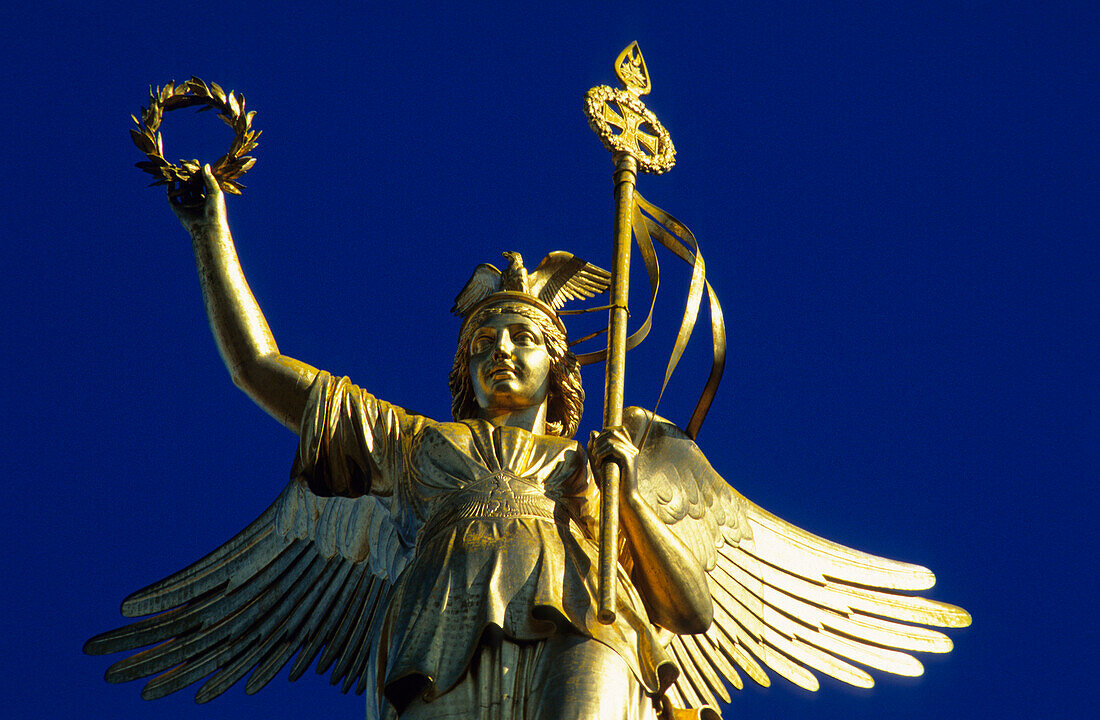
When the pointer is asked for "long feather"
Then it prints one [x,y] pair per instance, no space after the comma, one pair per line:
[322,620]
[705,665]
[334,649]
[205,574]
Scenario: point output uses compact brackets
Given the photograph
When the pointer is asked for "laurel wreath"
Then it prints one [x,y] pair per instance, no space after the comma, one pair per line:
[601,96]
[228,168]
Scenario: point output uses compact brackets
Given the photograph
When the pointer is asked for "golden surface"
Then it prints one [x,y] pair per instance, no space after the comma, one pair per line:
[449,568]
[231,110]
[622,121]
[631,70]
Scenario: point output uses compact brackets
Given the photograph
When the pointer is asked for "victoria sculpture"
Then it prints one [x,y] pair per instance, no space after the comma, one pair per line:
[490,565]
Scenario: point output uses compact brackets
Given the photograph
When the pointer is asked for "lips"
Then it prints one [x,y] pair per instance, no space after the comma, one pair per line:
[502,371]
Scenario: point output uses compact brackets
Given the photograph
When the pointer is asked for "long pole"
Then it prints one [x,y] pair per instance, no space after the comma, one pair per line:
[626,175]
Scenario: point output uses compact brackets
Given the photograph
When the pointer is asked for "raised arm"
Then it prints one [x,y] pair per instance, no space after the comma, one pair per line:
[278,384]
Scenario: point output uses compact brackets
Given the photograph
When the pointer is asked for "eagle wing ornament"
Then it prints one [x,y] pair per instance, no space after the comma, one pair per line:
[560,277]
[311,576]
[784,599]
[484,282]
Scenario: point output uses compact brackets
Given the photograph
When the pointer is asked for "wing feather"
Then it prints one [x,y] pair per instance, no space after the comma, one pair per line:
[563,276]
[310,576]
[275,656]
[730,655]
[718,658]
[195,653]
[699,671]
[755,637]
[783,598]
[323,616]
[225,678]
[181,676]
[357,674]
[484,282]
[277,630]
[778,656]
[687,682]
[358,635]
[811,608]
[706,664]
[208,573]
[812,557]
[334,650]
[169,653]
[767,645]
[240,615]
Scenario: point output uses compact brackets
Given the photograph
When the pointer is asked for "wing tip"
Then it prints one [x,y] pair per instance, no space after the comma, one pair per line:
[923,578]
[910,669]
[133,605]
[955,616]
[97,645]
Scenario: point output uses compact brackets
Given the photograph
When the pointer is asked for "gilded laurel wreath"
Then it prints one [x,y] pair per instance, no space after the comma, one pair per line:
[229,167]
[624,124]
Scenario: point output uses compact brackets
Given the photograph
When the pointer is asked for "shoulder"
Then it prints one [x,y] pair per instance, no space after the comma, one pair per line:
[334,398]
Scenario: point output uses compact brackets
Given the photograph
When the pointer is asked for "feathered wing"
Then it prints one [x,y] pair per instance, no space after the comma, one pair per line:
[784,598]
[484,282]
[311,576]
[562,276]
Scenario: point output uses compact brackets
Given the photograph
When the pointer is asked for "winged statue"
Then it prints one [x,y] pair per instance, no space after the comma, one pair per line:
[447,568]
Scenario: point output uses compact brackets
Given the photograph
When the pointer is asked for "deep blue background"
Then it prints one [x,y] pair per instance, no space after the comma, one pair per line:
[897,202]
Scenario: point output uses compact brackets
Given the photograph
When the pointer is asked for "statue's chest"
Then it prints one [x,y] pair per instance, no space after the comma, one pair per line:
[475,456]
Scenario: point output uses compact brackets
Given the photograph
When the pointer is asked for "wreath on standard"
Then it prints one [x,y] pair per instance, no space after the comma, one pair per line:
[228,168]
[599,100]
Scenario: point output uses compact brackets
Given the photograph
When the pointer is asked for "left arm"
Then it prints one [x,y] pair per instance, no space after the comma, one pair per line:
[666,573]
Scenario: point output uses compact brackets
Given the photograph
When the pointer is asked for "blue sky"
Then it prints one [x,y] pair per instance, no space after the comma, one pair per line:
[897,203]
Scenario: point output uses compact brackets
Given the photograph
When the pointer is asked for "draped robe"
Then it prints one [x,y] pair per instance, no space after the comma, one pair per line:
[503,524]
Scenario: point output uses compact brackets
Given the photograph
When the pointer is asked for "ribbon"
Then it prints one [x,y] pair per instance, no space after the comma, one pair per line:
[648,222]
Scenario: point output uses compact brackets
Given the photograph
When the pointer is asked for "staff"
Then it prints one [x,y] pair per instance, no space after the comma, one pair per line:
[637,140]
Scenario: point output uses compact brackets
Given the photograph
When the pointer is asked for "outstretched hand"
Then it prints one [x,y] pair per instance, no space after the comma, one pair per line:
[199,204]
[614,445]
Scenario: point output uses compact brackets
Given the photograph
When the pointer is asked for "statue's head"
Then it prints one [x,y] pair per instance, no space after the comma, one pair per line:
[546,368]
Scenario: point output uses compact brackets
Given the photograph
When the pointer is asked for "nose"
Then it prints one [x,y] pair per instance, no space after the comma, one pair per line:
[503,347]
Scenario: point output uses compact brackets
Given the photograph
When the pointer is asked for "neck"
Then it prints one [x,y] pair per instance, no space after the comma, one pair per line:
[532,419]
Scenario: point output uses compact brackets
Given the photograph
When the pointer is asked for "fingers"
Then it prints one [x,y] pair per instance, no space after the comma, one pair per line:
[195,192]
[611,444]
[199,202]
[610,435]
[211,183]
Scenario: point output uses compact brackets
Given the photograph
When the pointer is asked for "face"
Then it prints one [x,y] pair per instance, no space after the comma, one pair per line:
[509,363]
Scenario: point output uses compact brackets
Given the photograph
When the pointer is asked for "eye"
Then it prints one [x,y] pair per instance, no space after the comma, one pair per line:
[480,344]
[524,335]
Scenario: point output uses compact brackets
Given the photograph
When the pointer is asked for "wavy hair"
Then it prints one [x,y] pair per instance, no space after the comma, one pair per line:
[565,397]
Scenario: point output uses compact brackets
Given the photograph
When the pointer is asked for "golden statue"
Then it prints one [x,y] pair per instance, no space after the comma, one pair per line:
[462,569]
